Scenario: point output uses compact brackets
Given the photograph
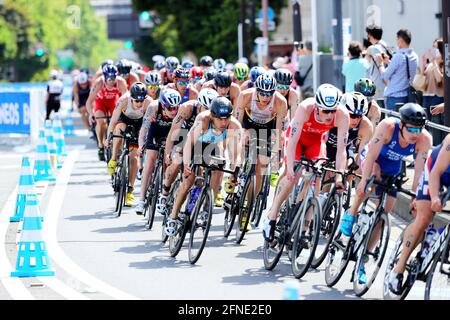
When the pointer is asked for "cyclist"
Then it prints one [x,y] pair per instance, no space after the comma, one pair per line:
[157,123]
[260,110]
[206,62]
[139,71]
[129,111]
[124,69]
[55,89]
[436,175]
[224,86]
[153,81]
[102,101]
[215,127]
[81,89]
[188,64]
[219,64]
[159,65]
[306,136]
[254,73]
[240,73]
[167,72]
[182,85]
[99,72]
[208,75]
[196,75]
[182,123]
[368,88]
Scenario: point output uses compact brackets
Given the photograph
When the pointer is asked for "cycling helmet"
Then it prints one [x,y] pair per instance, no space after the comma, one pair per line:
[221,108]
[219,64]
[229,67]
[206,96]
[106,62]
[187,64]
[283,76]
[172,63]
[181,73]
[328,97]
[413,113]
[196,73]
[53,74]
[206,61]
[84,70]
[366,86]
[152,78]
[241,71]
[356,103]
[255,72]
[170,98]
[222,79]
[82,78]
[210,73]
[266,82]
[159,65]
[124,67]
[110,71]
[138,91]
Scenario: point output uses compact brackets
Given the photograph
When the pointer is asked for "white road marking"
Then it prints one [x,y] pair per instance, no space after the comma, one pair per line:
[55,251]
[59,287]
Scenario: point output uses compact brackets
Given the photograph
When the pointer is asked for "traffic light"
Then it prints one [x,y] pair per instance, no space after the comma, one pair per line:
[145,20]
[40,52]
[128,44]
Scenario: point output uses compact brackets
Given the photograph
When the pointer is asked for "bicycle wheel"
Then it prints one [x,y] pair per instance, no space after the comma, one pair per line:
[303,251]
[411,271]
[176,242]
[200,224]
[230,214]
[371,255]
[245,209]
[170,201]
[123,184]
[337,258]
[117,185]
[108,154]
[438,278]
[154,194]
[261,201]
[328,226]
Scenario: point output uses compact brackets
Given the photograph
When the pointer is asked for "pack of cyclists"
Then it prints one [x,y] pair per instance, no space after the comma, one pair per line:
[187,111]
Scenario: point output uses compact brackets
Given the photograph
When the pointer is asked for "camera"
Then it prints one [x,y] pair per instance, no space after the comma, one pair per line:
[298,45]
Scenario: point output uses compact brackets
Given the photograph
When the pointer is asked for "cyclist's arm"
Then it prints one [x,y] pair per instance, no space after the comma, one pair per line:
[122,85]
[193,135]
[294,99]
[441,165]
[115,116]
[193,93]
[208,84]
[151,110]
[76,97]
[235,143]
[423,146]
[239,108]
[281,118]
[342,123]
[95,90]
[235,91]
[300,117]
[134,78]
[177,123]
[374,113]
[365,133]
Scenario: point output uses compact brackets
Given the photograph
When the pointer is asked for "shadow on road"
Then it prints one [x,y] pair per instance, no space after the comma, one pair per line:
[104,214]
[322,290]
[159,262]
[258,276]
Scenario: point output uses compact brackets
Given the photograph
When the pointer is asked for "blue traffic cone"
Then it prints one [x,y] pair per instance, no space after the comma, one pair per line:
[59,137]
[26,188]
[291,290]
[51,145]
[68,127]
[43,170]
[32,256]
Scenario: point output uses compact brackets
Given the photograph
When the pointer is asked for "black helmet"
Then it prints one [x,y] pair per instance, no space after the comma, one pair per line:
[84,70]
[366,86]
[124,67]
[283,76]
[413,113]
[206,61]
[106,62]
[221,108]
[138,91]
[181,73]
[210,73]
[222,79]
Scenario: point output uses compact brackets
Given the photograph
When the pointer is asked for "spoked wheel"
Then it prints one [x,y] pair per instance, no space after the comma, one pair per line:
[337,258]
[410,274]
[261,201]
[123,185]
[306,238]
[245,209]
[117,186]
[371,255]
[176,242]
[200,225]
[153,197]
[328,226]
[231,212]
[438,279]
[272,251]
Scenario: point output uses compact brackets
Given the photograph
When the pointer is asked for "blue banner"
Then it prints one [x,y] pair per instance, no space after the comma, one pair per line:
[15,112]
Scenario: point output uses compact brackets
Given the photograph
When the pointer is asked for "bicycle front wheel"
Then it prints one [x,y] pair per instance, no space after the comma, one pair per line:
[232,203]
[201,222]
[261,201]
[123,185]
[153,198]
[245,209]
[438,278]
[306,238]
[176,242]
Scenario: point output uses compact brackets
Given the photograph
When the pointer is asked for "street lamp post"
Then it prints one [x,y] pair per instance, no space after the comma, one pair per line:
[297,18]
[446,33]
[338,40]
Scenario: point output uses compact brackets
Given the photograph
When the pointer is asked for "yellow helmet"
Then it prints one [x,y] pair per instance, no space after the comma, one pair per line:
[241,71]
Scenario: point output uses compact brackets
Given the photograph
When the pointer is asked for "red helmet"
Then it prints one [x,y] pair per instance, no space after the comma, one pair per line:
[196,73]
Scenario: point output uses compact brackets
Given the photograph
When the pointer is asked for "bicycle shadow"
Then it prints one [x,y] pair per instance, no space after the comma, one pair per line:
[134,227]
[258,276]
[331,293]
[158,262]
[147,248]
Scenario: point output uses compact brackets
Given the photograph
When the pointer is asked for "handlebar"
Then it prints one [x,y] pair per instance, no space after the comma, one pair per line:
[389,184]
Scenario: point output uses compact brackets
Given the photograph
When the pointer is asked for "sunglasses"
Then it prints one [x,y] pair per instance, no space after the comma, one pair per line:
[355,116]
[153,87]
[283,87]
[138,100]
[266,93]
[329,111]
[183,83]
[414,130]
[171,108]
[110,79]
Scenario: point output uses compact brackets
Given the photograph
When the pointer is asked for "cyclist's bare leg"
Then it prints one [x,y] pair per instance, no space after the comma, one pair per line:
[182,192]
[390,202]
[261,166]
[134,158]
[84,116]
[117,142]
[216,181]
[414,233]
[100,127]
[284,188]
[171,172]
[357,201]
[150,159]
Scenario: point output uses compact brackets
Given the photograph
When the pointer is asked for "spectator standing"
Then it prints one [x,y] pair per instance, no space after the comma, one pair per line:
[54,91]
[355,67]
[304,76]
[396,74]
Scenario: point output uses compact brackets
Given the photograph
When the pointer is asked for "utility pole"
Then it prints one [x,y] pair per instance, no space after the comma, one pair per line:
[265,33]
[243,28]
[338,39]
[297,18]
[446,29]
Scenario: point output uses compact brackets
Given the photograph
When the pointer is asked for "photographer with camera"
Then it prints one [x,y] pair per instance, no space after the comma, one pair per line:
[304,76]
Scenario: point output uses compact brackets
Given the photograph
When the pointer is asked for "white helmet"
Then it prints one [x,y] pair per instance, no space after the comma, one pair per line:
[266,82]
[170,98]
[328,97]
[356,103]
[152,78]
[82,77]
[206,96]
[53,73]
